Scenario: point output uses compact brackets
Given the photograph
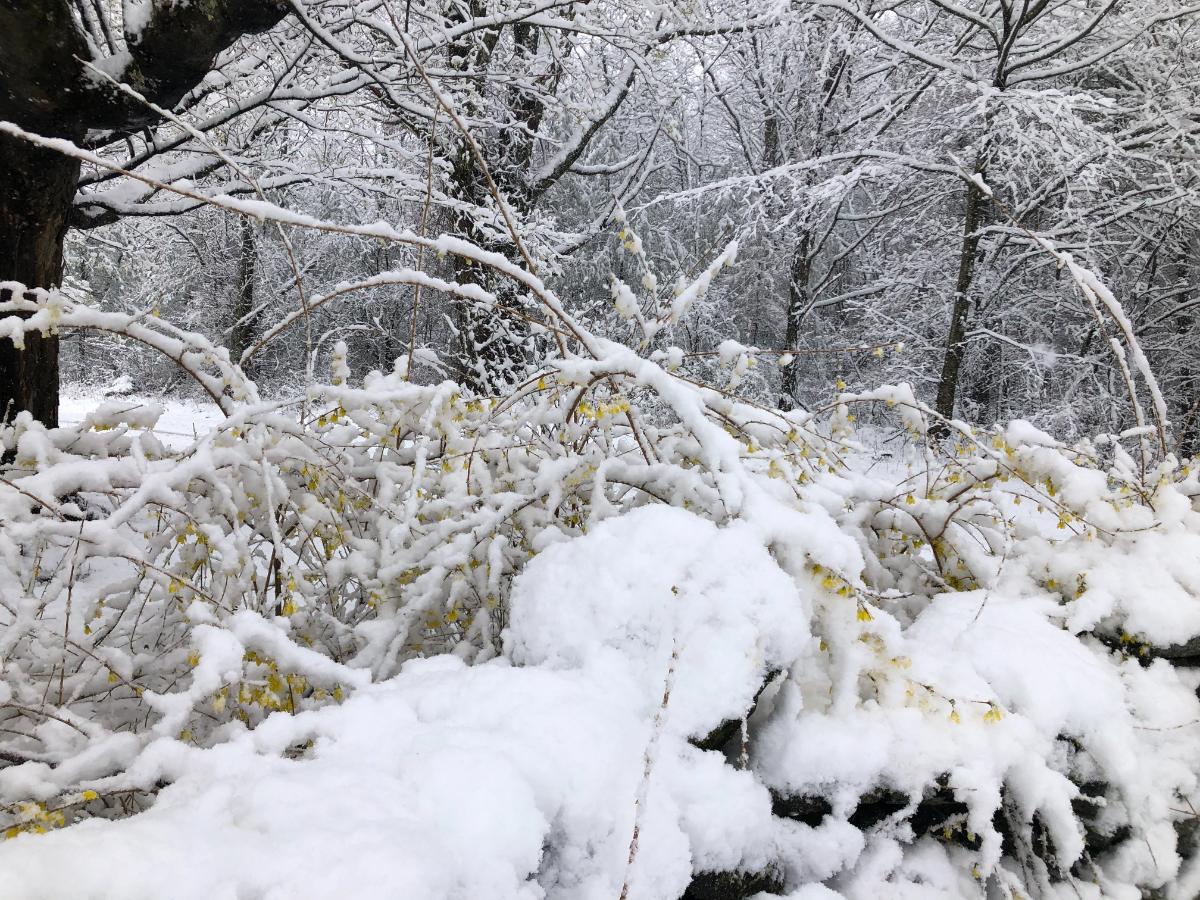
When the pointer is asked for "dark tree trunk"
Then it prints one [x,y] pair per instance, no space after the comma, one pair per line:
[46,88]
[799,298]
[974,207]
[1185,326]
[800,269]
[489,357]
[495,344]
[956,340]
[241,335]
[36,189]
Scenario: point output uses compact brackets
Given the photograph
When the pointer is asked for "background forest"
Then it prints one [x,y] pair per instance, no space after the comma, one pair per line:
[599,449]
[831,140]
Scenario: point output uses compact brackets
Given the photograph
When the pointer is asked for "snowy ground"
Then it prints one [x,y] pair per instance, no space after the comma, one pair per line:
[181,420]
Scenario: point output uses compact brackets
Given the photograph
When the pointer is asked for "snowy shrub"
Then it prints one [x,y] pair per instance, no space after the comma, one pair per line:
[416,621]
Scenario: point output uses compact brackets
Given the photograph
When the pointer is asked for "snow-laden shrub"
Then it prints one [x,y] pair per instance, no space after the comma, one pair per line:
[475,777]
[960,678]
[298,550]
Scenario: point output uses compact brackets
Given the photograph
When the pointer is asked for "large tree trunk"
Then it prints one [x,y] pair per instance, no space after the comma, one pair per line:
[45,87]
[495,344]
[36,188]
[1188,396]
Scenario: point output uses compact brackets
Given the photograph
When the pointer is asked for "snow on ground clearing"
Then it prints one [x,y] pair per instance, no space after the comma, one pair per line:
[181,420]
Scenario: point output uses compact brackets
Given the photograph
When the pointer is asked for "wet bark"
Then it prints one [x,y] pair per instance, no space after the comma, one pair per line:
[47,88]
[36,188]
[241,334]
[956,340]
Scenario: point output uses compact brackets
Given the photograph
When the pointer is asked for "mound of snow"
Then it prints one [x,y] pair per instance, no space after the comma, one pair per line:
[492,782]
[620,601]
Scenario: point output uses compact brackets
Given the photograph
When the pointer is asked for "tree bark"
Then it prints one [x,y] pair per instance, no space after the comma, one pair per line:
[799,297]
[494,343]
[956,340]
[800,270]
[241,333]
[35,196]
[46,87]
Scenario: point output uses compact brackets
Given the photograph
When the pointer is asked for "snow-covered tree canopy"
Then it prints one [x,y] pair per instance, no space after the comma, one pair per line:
[546,449]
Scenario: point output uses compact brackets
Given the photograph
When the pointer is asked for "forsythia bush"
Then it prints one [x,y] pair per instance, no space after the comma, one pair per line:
[999,622]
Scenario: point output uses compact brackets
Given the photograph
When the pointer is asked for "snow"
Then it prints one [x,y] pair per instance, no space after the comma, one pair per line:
[494,781]
[651,629]
[178,423]
[135,17]
[621,626]
[619,601]
[894,627]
